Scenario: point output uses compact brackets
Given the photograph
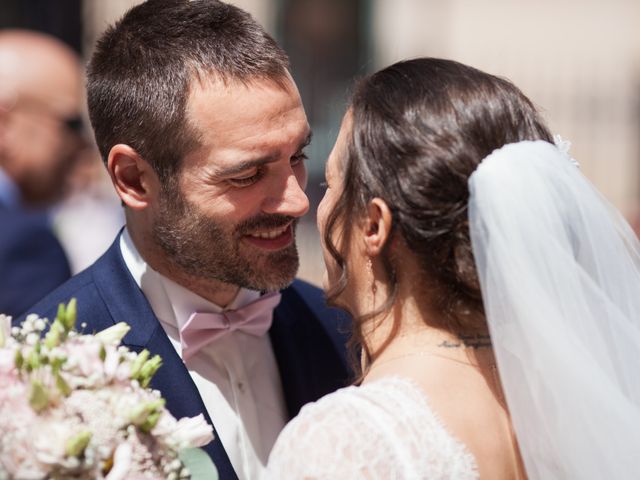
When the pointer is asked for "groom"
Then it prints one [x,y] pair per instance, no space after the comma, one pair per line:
[203,133]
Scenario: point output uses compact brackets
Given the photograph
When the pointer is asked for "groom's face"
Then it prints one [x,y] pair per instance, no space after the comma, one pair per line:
[232,215]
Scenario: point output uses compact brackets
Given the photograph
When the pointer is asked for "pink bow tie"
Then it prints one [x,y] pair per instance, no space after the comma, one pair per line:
[203,328]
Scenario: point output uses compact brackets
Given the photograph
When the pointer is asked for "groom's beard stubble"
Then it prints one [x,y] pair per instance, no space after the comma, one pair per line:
[206,248]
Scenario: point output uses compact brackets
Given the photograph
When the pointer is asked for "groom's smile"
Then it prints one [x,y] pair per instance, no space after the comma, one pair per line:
[273,239]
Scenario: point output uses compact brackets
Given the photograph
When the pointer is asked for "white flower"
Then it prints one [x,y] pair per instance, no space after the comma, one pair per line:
[114,334]
[121,462]
[40,324]
[48,441]
[190,432]
[5,329]
[83,422]
[114,368]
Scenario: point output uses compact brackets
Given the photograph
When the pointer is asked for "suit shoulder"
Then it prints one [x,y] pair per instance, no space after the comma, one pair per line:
[313,298]
[301,295]
[310,293]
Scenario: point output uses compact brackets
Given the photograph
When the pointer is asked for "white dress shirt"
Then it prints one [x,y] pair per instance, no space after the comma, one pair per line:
[236,375]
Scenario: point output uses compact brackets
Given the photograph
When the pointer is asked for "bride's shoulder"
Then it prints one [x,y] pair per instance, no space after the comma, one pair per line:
[382,428]
[393,399]
[397,398]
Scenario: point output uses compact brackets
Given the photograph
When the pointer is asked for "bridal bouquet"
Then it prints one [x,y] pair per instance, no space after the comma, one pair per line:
[78,406]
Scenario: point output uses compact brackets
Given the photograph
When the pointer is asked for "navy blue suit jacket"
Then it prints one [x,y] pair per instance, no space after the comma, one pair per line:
[32,262]
[308,339]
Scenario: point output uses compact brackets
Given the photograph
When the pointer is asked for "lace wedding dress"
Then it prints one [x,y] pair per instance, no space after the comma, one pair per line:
[382,430]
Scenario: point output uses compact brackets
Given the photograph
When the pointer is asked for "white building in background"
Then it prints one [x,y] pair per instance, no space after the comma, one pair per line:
[578,60]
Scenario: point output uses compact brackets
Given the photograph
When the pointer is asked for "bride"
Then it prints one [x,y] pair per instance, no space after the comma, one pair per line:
[495,294]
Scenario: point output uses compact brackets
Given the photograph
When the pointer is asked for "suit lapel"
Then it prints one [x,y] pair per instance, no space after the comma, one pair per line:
[310,363]
[126,302]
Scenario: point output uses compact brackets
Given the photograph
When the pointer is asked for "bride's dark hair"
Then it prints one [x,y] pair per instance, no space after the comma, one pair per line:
[420,129]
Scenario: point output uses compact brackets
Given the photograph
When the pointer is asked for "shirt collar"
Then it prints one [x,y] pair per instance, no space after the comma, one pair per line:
[172,303]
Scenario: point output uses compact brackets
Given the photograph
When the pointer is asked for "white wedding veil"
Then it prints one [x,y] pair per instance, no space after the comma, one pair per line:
[559,270]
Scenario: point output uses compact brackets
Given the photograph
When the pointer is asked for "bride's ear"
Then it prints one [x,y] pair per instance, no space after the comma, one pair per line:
[377,227]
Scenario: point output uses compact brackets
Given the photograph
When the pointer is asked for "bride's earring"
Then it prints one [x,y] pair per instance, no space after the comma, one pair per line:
[374,287]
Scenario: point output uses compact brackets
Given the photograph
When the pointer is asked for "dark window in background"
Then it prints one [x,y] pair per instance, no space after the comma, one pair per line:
[327,43]
[60,18]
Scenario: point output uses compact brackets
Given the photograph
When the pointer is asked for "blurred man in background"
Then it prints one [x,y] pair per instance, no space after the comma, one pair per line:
[41,95]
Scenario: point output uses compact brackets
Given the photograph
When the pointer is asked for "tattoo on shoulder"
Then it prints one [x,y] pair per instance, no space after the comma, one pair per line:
[469,341]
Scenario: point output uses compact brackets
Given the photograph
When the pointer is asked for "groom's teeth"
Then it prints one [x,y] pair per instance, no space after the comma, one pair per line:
[270,234]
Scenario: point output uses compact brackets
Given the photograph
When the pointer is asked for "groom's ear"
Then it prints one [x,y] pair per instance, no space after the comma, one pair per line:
[134,179]
[377,227]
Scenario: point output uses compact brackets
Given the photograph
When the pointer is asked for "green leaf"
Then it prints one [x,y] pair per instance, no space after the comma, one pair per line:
[19,360]
[139,361]
[56,364]
[148,370]
[62,385]
[146,415]
[199,464]
[38,396]
[55,334]
[67,315]
[76,445]
[33,360]
[60,316]
[71,314]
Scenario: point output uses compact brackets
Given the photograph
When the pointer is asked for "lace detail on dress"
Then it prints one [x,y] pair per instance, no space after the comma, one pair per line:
[382,430]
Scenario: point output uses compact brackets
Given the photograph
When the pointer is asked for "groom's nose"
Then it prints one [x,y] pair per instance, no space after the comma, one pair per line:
[290,200]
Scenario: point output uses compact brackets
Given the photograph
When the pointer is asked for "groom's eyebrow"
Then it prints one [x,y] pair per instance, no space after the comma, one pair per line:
[258,162]
[246,165]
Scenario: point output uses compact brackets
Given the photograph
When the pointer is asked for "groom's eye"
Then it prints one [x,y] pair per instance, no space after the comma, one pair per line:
[298,158]
[247,180]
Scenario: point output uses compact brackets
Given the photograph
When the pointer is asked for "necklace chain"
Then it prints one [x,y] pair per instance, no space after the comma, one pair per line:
[422,353]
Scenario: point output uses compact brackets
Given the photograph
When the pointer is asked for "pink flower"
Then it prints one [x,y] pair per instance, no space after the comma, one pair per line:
[7,365]
[73,404]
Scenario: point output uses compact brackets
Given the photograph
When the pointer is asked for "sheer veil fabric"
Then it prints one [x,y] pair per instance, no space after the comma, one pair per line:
[559,270]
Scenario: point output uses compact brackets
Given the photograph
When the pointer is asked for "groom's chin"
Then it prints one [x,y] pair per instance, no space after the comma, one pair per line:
[276,273]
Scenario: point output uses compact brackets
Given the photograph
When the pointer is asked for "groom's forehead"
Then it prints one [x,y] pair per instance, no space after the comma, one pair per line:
[252,121]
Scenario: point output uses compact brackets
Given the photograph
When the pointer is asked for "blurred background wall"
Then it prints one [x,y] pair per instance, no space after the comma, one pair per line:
[578,60]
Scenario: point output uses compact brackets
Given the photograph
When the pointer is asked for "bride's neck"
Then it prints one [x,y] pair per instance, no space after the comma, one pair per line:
[411,327]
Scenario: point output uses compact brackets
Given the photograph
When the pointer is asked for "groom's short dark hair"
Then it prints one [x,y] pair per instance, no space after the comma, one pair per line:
[140,73]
